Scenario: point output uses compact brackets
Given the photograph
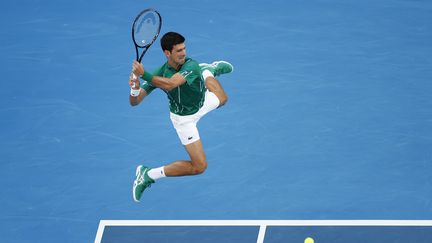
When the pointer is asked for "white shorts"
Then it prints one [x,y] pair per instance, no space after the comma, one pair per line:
[186,126]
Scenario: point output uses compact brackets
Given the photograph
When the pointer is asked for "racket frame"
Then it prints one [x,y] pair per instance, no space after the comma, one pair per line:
[147,46]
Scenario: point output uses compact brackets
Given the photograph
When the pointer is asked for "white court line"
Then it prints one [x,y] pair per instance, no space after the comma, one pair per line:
[100,231]
[261,223]
[261,234]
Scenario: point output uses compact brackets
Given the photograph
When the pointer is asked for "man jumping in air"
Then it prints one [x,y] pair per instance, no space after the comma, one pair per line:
[192,91]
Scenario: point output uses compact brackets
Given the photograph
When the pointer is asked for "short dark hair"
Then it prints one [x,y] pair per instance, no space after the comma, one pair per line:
[170,39]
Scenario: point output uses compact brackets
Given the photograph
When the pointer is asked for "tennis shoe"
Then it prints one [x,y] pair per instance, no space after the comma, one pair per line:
[217,68]
[142,182]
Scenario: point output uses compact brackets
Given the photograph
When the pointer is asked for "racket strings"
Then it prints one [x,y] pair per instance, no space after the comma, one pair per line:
[146,28]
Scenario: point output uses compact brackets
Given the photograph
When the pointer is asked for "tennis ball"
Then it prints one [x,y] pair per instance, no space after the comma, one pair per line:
[309,240]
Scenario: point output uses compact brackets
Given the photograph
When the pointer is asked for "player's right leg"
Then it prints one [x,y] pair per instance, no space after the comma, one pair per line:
[196,165]
[141,182]
[187,131]
[189,136]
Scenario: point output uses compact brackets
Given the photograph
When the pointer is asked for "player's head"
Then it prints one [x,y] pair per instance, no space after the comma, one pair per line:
[170,39]
[174,48]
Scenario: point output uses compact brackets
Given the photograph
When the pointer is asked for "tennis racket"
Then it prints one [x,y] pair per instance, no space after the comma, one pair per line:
[145,30]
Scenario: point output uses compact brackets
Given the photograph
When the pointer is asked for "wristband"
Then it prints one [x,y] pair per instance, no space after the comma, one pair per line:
[134,92]
[147,77]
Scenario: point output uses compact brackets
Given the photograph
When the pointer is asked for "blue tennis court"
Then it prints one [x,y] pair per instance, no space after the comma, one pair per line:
[260,231]
[329,114]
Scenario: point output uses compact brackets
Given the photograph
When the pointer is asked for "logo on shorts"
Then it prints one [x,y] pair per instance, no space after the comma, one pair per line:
[190,138]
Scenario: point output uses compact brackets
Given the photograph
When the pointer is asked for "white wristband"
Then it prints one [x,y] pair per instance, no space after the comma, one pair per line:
[134,92]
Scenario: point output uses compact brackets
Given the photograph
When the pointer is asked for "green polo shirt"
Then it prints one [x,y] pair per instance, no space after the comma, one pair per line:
[187,98]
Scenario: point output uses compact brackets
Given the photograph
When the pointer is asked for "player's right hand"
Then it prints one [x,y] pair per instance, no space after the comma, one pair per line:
[134,82]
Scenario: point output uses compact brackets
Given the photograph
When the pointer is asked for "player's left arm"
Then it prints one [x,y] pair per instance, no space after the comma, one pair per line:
[158,81]
[168,83]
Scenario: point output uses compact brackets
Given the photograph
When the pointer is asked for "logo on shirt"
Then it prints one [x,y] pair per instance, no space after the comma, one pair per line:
[186,73]
[190,138]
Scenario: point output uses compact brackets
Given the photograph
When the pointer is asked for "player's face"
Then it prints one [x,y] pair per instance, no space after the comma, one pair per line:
[178,55]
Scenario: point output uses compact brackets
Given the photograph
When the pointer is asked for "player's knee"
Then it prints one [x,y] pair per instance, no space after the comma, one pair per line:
[223,99]
[199,167]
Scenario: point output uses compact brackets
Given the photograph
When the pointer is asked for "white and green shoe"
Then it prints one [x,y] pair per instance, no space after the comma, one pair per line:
[141,182]
[217,68]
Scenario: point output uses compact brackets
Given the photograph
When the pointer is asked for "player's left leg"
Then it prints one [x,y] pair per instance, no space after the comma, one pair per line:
[216,88]
[209,72]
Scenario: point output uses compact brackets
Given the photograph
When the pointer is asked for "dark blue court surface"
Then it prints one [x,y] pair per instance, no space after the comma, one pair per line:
[329,114]
[265,231]
[351,234]
[180,234]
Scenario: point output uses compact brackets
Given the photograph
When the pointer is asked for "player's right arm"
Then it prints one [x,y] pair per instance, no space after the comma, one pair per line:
[134,84]
[140,91]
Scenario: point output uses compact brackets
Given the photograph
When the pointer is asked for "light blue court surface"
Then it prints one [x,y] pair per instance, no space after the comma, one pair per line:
[329,114]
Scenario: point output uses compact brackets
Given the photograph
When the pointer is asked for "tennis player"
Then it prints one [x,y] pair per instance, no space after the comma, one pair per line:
[192,91]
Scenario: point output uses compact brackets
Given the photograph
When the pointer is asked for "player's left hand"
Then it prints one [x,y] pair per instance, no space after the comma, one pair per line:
[137,69]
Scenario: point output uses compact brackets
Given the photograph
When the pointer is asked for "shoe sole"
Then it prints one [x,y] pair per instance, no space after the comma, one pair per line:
[138,169]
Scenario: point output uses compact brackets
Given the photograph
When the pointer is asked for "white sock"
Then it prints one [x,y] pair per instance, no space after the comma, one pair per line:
[206,74]
[156,173]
